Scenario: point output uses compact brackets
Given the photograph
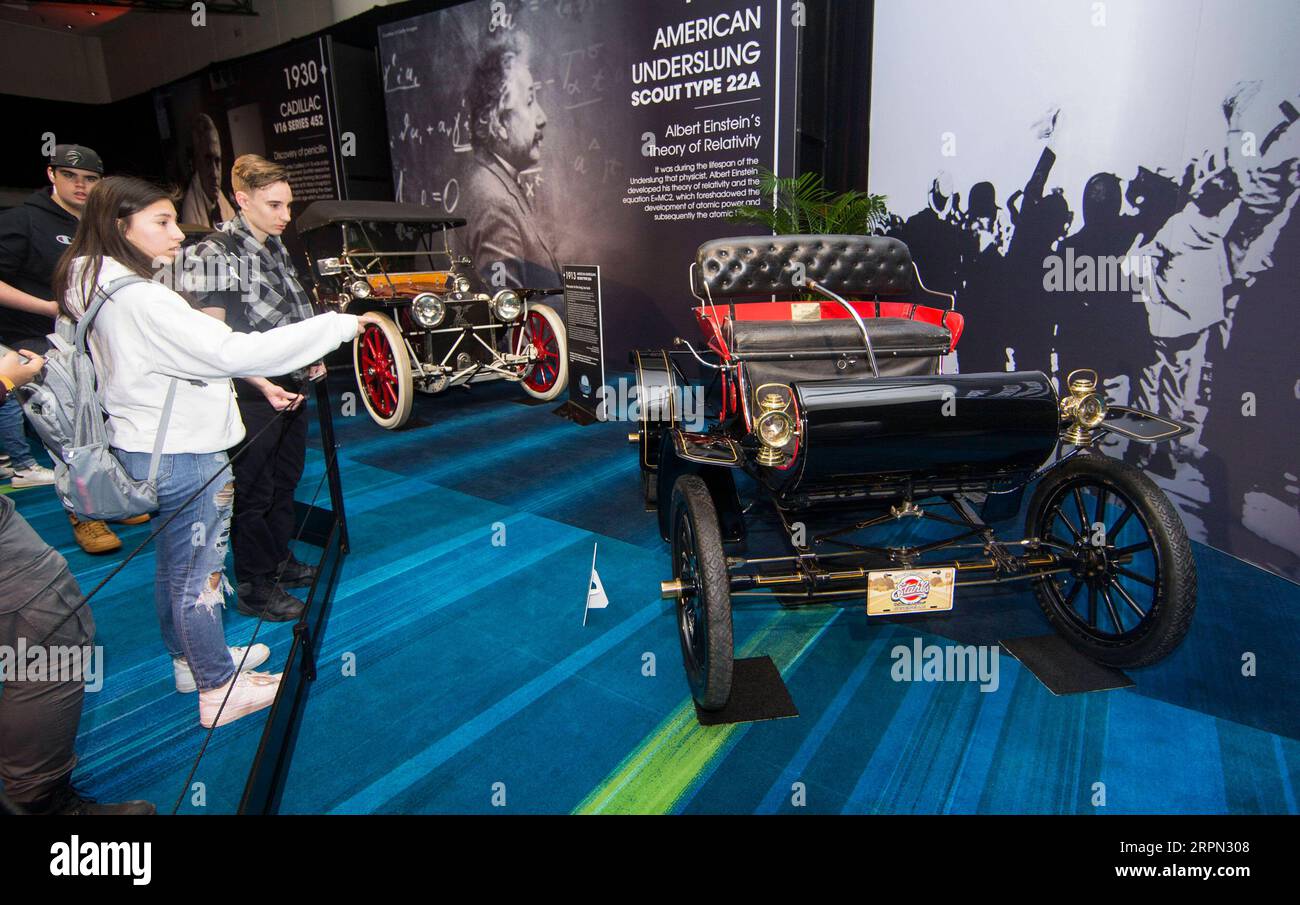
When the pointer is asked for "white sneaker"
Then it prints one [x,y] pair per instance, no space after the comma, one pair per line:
[185,684]
[253,691]
[5,472]
[35,476]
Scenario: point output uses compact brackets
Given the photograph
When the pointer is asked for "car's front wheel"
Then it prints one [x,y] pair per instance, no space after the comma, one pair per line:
[546,376]
[1129,592]
[383,369]
[704,604]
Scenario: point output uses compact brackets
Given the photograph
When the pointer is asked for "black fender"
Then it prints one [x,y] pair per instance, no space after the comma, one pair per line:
[658,383]
[719,478]
[1142,426]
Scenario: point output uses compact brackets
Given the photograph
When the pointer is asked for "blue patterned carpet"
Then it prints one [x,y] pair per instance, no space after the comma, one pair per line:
[477,689]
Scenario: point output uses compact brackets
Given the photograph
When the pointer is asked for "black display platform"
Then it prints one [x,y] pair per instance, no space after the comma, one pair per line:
[757,693]
[1061,668]
[576,414]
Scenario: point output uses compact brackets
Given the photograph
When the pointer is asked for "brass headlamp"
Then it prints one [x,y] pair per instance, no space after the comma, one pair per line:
[1084,408]
[773,425]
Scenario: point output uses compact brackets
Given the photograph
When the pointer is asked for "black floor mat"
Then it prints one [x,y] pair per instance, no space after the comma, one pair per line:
[757,693]
[576,413]
[1062,668]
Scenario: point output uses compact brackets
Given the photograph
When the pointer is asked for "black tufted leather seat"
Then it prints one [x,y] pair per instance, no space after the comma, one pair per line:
[766,265]
[890,336]
[903,348]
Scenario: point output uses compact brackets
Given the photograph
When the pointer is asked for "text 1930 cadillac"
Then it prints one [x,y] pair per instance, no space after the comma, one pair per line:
[834,417]
[436,329]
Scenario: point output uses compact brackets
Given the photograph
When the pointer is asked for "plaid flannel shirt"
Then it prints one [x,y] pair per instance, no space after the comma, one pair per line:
[255,279]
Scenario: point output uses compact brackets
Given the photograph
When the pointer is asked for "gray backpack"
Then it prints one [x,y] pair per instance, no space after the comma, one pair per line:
[64,408]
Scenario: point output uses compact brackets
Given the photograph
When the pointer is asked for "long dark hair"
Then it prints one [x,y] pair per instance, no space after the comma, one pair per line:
[102,234]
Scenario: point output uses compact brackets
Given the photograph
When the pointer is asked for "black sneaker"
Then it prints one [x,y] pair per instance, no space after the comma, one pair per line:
[268,600]
[68,800]
[295,574]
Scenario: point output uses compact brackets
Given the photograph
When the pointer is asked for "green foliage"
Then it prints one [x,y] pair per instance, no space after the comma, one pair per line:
[804,205]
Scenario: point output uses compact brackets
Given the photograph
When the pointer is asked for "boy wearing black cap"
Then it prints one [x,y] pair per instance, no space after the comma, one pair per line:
[33,236]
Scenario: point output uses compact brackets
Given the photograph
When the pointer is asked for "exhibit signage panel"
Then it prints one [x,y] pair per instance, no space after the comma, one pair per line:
[277,104]
[582,320]
[606,131]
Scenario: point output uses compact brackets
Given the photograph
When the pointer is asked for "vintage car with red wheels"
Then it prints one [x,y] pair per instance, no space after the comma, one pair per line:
[831,413]
[436,329]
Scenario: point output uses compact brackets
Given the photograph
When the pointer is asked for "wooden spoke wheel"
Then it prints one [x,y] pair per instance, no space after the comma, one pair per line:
[384,375]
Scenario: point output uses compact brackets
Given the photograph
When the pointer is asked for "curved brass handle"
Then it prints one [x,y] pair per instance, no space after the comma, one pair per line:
[1081,385]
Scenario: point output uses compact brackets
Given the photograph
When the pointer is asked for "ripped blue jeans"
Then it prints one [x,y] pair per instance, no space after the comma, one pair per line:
[190,583]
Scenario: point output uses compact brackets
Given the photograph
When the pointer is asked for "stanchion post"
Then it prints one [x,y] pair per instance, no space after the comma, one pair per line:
[328,529]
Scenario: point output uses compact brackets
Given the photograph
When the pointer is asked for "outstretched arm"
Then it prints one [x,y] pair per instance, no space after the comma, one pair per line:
[189,344]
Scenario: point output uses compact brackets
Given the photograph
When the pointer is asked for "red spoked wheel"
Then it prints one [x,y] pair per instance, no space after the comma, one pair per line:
[383,369]
[548,374]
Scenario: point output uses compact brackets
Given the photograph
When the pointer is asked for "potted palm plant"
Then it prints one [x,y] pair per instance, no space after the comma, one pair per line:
[803,205]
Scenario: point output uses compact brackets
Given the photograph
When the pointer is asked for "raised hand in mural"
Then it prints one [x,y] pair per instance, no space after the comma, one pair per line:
[1043,128]
[1238,99]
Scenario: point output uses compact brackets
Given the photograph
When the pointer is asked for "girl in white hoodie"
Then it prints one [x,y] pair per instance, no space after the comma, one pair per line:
[144,338]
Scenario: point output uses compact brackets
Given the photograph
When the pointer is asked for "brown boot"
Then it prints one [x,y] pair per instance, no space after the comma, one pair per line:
[134,520]
[94,537]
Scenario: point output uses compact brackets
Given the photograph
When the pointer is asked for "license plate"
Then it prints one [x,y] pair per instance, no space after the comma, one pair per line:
[902,591]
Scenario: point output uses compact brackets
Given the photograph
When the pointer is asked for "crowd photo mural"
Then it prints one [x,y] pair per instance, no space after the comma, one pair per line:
[591,132]
[1114,189]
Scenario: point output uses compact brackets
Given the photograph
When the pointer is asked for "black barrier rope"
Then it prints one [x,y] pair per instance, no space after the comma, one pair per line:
[132,555]
[261,617]
[329,463]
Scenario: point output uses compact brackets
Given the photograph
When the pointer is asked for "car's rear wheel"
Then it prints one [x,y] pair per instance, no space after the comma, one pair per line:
[704,605]
[1129,596]
[383,369]
[546,376]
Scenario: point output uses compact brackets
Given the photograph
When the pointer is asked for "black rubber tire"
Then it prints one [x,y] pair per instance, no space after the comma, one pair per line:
[708,656]
[1170,615]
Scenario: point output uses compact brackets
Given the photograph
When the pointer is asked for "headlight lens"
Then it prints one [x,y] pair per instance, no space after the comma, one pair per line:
[462,285]
[507,305]
[360,289]
[775,429]
[1091,411]
[428,310]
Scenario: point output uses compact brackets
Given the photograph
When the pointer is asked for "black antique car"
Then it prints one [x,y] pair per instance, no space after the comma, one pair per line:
[834,417]
[437,329]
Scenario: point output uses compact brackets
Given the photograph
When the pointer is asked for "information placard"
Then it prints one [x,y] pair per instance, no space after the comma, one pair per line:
[582,320]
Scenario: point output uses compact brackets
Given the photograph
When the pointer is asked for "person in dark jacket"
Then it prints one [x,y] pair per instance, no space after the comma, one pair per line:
[41,609]
[33,236]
